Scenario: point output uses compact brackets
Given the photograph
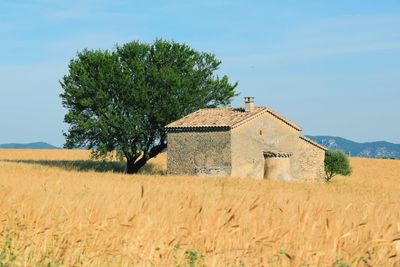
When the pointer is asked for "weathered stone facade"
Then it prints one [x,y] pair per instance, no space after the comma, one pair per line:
[310,160]
[277,166]
[269,133]
[235,143]
[199,152]
[249,140]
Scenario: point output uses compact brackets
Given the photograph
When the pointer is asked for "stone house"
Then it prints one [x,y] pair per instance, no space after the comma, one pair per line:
[253,142]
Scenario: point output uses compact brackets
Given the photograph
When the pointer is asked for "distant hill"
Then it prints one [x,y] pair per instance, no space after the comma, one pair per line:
[380,149]
[36,145]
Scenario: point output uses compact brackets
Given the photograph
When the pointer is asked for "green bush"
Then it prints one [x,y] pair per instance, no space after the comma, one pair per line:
[336,163]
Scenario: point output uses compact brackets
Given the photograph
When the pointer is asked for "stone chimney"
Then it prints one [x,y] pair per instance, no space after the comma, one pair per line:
[249,103]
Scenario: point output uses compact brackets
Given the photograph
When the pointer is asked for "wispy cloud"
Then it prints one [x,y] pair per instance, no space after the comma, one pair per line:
[291,55]
[325,38]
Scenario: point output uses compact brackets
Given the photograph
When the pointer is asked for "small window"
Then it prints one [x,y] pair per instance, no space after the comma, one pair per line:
[260,132]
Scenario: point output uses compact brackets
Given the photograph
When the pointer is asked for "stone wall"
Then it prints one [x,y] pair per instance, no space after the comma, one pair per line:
[270,133]
[277,168]
[199,152]
[239,152]
[308,161]
[249,140]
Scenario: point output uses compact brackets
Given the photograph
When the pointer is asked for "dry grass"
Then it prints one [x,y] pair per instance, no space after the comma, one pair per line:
[51,215]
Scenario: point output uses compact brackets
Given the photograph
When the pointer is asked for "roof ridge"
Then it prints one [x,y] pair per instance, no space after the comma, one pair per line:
[225,117]
[312,142]
[284,119]
[245,120]
[232,108]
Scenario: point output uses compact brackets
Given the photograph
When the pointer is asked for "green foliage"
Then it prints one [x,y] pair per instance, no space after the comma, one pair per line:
[7,253]
[336,163]
[194,258]
[121,100]
[341,263]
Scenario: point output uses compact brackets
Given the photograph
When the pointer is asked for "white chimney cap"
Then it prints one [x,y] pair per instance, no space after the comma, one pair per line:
[249,99]
[249,103]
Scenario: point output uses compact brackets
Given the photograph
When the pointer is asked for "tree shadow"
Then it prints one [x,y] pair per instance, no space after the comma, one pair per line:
[92,165]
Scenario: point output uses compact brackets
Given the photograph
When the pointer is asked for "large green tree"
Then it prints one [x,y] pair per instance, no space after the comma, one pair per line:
[120,100]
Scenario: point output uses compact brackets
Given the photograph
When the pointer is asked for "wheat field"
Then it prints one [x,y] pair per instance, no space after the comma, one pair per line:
[58,209]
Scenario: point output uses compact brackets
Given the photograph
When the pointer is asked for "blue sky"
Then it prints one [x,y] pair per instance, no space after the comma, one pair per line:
[331,66]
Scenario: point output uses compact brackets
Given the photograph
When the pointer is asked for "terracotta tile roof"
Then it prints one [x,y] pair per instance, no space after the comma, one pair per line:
[223,118]
[312,142]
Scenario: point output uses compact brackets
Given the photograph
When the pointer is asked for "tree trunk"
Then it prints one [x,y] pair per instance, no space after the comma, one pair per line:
[133,166]
[130,166]
[139,164]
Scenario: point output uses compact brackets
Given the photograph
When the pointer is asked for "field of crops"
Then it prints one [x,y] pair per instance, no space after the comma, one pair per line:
[58,209]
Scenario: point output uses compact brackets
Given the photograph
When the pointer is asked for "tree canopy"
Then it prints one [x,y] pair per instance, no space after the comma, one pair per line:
[336,163]
[120,100]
